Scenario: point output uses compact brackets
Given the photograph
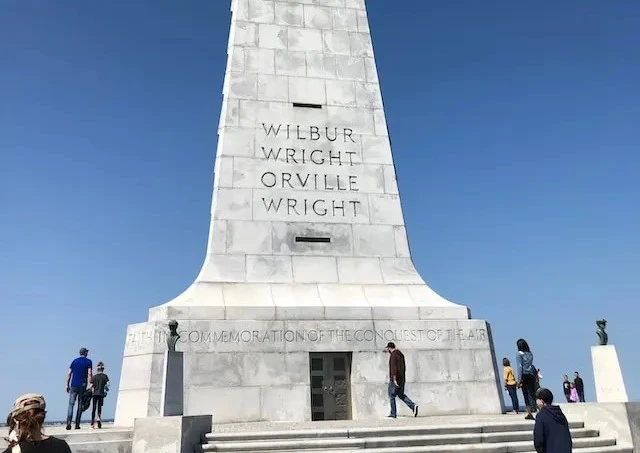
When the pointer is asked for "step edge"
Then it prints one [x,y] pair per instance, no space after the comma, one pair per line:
[346,432]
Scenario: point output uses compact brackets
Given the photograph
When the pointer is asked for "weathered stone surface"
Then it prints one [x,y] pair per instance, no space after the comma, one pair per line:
[610,419]
[608,375]
[307,248]
[633,415]
[449,365]
[175,434]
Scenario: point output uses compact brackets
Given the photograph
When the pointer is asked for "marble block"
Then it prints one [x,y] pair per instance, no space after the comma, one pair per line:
[613,420]
[243,370]
[308,249]
[608,375]
[176,434]
[173,384]
[633,414]
[304,191]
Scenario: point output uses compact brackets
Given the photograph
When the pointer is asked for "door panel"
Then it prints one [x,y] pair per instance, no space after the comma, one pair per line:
[330,385]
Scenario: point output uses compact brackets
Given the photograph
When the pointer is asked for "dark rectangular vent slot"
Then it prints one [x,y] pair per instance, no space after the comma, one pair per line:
[307,106]
[311,239]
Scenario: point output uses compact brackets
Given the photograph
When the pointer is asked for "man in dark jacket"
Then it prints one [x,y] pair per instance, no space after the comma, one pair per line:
[397,370]
[551,431]
[579,386]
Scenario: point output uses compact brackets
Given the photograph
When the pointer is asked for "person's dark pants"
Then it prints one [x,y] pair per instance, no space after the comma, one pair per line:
[75,393]
[96,404]
[581,396]
[513,393]
[529,391]
[398,391]
[568,397]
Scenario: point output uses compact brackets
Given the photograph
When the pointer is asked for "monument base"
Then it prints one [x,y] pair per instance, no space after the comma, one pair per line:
[301,370]
[175,434]
[620,421]
[608,375]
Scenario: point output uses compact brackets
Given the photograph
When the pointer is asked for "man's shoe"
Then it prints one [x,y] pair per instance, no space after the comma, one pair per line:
[391,416]
[77,426]
[415,411]
[68,426]
[529,417]
[99,424]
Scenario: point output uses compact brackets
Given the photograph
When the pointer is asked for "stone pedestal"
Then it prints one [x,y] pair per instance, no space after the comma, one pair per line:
[608,375]
[173,384]
[170,434]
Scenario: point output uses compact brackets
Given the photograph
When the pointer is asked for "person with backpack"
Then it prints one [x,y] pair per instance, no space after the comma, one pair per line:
[99,387]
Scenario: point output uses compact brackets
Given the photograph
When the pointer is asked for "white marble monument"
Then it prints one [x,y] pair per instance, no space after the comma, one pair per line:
[607,375]
[307,252]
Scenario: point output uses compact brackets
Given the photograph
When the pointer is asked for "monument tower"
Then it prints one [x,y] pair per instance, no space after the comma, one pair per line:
[308,272]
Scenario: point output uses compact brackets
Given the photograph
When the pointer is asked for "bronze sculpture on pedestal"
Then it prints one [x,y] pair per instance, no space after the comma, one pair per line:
[174,336]
[602,335]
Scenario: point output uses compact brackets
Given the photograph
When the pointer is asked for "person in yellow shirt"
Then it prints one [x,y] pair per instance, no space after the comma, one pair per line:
[510,384]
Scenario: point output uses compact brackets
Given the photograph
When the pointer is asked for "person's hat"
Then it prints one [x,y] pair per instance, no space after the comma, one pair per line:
[27,402]
[391,345]
[545,395]
[83,351]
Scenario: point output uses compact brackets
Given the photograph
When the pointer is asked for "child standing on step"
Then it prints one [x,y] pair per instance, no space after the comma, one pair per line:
[573,394]
[510,384]
[100,386]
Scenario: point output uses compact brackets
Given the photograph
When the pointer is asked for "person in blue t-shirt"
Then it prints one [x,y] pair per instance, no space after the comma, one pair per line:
[80,373]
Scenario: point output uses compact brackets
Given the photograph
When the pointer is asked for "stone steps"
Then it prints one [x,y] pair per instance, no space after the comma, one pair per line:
[505,437]
[356,432]
[94,435]
[101,446]
[108,440]
[387,441]
[469,449]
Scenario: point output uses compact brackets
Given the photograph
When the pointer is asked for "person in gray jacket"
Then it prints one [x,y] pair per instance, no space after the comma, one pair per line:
[526,376]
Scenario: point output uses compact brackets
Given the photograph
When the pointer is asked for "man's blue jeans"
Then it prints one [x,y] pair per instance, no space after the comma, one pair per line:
[75,393]
[399,393]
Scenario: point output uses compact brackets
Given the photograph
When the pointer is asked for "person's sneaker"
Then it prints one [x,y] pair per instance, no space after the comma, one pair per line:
[68,427]
[92,427]
[415,411]
[99,424]
[77,426]
[391,416]
[529,417]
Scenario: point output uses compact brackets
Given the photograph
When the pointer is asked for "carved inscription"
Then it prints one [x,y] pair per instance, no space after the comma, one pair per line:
[323,149]
[311,336]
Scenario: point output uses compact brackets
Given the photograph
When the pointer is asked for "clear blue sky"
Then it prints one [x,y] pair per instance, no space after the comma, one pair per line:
[515,132]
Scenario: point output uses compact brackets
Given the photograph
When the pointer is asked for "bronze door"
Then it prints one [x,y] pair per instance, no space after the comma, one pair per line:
[330,385]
